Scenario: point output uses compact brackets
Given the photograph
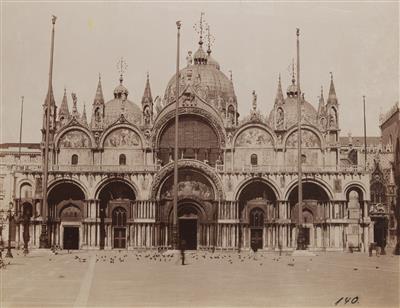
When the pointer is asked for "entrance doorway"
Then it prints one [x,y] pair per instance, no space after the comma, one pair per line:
[71,238]
[119,238]
[256,239]
[380,231]
[188,232]
[306,232]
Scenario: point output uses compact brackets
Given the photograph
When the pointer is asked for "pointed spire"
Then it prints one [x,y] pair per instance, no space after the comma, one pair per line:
[64,111]
[147,98]
[279,92]
[321,105]
[99,98]
[332,93]
[84,117]
[75,113]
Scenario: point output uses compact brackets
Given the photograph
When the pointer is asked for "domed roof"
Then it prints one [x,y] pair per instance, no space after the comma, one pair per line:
[117,106]
[121,105]
[207,81]
[308,112]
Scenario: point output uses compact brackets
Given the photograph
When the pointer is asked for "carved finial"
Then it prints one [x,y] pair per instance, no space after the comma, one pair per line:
[254,100]
[199,28]
[121,68]
[53,19]
[210,39]
[293,76]
[331,75]
[230,75]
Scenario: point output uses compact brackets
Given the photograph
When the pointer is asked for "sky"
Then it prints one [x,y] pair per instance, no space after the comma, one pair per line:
[358,42]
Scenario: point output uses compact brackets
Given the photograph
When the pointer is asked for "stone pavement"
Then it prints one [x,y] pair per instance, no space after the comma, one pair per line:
[130,278]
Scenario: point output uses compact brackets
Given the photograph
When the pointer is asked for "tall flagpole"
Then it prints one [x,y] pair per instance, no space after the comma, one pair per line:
[20,128]
[175,205]
[365,135]
[44,240]
[300,242]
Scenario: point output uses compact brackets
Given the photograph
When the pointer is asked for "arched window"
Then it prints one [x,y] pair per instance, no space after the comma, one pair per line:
[254,159]
[122,160]
[119,217]
[256,218]
[74,159]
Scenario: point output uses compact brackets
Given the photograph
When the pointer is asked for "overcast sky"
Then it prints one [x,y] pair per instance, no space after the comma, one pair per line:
[358,42]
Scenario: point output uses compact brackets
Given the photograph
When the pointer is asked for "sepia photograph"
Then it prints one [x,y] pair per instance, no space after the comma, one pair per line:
[199,153]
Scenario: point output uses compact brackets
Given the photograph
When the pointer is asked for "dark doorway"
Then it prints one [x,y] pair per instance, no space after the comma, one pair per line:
[71,238]
[380,231]
[306,232]
[188,232]
[256,239]
[119,237]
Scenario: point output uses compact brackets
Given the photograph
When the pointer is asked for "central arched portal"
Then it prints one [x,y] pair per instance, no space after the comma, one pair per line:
[188,222]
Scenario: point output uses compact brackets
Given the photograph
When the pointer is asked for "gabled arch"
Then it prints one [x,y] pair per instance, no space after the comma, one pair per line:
[65,130]
[308,127]
[250,125]
[118,126]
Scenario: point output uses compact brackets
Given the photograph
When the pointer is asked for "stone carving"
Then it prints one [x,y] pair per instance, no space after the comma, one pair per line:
[279,118]
[71,213]
[254,105]
[74,139]
[189,58]
[308,140]
[147,115]
[191,188]
[332,117]
[187,164]
[254,137]
[122,137]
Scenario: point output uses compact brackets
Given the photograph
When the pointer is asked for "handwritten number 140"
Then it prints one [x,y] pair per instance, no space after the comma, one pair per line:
[347,300]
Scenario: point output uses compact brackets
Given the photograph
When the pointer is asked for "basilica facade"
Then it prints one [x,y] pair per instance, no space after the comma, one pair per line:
[111,176]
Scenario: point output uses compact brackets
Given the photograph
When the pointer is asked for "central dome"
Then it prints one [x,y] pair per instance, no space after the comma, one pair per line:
[206,79]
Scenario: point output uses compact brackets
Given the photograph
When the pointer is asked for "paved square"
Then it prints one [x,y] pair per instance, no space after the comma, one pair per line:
[130,278]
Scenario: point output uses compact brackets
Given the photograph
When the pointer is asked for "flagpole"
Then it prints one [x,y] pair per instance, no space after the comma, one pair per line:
[300,242]
[365,135]
[20,128]
[176,153]
[44,239]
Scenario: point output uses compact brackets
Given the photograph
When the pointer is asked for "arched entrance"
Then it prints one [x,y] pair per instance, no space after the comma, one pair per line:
[256,228]
[116,198]
[315,208]
[258,209]
[65,202]
[119,227]
[188,221]
[71,218]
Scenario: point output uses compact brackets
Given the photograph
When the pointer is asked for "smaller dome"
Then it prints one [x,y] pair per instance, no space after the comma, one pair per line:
[292,89]
[120,89]
[200,56]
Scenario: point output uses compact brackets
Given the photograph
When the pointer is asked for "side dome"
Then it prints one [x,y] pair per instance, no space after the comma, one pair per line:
[308,112]
[207,80]
[121,105]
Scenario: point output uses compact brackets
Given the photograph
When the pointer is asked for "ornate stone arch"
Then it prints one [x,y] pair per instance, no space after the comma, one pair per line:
[268,182]
[68,129]
[97,189]
[118,126]
[209,118]
[198,166]
[304,127]
[23,182]
[319,182]
[57,182]
[358,185]
[259,126]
